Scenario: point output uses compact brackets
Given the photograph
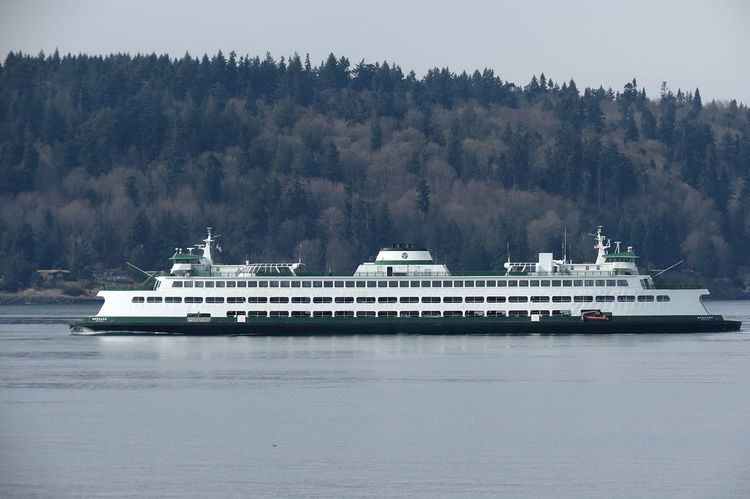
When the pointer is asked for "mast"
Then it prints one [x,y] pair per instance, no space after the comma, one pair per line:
[207,246]
[601,245]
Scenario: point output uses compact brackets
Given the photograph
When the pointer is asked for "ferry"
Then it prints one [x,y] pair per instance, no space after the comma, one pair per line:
[404,291]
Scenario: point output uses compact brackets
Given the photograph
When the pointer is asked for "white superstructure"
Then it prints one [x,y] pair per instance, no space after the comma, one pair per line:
[403,281]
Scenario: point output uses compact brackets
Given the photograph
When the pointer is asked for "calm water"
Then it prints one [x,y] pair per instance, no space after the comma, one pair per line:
[575,416]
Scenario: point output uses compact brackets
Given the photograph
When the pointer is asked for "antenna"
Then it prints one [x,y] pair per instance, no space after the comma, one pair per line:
[139,269]
[669,268]
[565,243]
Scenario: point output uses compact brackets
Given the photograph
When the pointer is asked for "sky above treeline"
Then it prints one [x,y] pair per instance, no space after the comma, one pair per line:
[686,43]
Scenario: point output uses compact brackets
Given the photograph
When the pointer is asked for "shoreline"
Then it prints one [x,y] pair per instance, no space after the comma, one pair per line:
[22,299]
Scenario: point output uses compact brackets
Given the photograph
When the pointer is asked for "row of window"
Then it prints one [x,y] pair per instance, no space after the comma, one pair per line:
[393,313]
[511,283]
[405,299]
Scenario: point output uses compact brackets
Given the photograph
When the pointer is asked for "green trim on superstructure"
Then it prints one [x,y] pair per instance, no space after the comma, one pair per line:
[624,254]
[184,257]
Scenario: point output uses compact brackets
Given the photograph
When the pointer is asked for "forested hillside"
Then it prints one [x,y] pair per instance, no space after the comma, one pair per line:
[108,159]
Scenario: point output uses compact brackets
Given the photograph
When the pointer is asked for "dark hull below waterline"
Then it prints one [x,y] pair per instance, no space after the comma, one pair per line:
[308,327]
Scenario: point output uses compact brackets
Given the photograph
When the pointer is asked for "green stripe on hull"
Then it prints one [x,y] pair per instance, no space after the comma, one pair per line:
[288,326]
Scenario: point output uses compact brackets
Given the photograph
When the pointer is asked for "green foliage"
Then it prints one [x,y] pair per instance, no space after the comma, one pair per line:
[107,159]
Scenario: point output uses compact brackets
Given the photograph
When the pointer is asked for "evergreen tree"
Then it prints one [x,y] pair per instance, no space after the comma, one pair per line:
[376,136]
[212,180]
[631,130]
[697,104]
[331,165]
[648,124]
[424,198]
